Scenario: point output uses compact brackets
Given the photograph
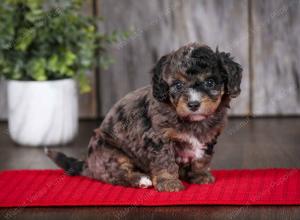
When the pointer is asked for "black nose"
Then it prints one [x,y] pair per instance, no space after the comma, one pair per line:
[193,105]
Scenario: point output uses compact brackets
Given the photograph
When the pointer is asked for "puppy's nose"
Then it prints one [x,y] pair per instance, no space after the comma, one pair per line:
[193,105]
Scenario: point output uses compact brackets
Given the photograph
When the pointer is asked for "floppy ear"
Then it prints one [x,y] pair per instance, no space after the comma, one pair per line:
[159,86]
[232,74]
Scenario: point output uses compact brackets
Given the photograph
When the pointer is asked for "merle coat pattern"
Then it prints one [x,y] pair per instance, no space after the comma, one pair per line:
[166,132]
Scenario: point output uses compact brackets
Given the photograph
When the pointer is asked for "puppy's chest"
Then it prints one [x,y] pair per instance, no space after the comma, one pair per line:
[189,148]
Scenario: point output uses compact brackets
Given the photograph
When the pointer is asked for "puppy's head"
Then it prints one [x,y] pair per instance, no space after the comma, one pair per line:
[194,78]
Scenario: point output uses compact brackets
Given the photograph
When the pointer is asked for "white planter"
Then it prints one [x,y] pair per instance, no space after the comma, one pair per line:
[42,113]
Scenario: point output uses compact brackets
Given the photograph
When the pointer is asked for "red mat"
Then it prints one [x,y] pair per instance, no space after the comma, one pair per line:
[25,188]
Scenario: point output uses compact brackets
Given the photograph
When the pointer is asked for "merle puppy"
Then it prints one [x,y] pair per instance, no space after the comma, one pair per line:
[164,133]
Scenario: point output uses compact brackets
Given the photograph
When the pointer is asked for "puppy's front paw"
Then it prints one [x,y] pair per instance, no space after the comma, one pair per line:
[169,185]
[203,178]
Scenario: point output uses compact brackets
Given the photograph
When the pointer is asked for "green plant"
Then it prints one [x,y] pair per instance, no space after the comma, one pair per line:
[43,41]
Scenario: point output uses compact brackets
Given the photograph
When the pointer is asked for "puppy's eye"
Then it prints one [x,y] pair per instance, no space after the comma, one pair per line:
[178,85]
[210,83]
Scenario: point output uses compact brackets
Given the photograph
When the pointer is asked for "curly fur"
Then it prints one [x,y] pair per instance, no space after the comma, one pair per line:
[160,87]
[153,136]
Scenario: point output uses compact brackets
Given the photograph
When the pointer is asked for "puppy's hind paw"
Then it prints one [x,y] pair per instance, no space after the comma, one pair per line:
[145,182]
[140,180]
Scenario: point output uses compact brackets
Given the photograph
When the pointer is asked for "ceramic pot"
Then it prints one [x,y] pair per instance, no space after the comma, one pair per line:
[42,113]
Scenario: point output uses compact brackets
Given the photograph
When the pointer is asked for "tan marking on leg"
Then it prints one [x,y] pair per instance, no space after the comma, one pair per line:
[200,171]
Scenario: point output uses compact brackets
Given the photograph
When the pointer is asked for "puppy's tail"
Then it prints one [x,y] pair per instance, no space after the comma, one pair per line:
[70,165]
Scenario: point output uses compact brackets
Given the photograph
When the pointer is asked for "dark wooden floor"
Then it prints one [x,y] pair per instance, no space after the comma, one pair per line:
[246,143]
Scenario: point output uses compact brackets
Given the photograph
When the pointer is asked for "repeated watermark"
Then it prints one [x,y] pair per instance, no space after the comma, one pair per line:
[278,13]
[138,32]
[11,213]
[266,190]
[281,95]
[232,131]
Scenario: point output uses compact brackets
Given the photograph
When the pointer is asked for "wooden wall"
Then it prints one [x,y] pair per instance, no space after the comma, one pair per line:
[261,34]
[88,101]
[276,57]
[162,26]
[3,104]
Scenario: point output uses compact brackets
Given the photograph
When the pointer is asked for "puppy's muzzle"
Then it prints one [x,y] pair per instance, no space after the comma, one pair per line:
[193,105]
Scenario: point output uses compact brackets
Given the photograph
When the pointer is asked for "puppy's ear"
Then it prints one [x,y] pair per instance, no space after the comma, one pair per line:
[159,86]
[232,73]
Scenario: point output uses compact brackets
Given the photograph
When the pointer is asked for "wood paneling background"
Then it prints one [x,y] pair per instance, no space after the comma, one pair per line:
[163,26]
[262,35]
[276,56]
[3,104]
[88,102]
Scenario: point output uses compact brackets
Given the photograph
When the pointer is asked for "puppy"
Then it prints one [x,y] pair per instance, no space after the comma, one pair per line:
[164,133]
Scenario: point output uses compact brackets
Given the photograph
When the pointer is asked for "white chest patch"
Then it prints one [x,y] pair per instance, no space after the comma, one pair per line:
[194,149]
[197,147]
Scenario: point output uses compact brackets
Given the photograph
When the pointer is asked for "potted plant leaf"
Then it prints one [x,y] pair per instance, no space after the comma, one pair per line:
[45,52]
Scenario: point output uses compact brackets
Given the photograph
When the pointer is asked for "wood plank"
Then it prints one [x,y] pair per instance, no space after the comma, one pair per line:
[88,101]
[3,100]
[203,212]
[162,26]
[276,42]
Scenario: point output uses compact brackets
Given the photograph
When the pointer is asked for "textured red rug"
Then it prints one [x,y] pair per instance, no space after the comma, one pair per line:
[26,188]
